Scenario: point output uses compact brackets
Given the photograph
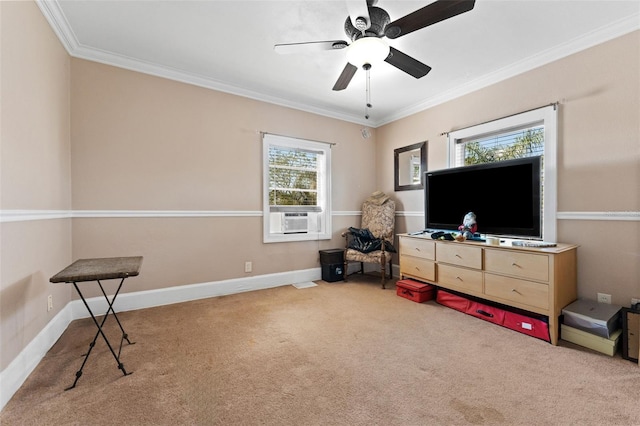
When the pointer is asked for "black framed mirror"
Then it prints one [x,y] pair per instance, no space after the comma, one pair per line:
[410,163]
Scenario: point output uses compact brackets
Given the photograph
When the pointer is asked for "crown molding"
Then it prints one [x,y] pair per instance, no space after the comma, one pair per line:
[58,22]
[55,16]
[594,38]
[53,13]
[162,71]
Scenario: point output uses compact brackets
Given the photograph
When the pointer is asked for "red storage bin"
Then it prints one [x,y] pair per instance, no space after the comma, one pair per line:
[453,301]
[414,290]
[527,325]
[486,312]
[521,322]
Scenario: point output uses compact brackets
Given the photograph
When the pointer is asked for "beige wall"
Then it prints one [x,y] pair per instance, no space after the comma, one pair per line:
[598,153]
[34,174]
[146,143]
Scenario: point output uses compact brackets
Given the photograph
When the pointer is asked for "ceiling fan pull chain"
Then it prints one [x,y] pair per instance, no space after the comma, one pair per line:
[369,87]
[368,105]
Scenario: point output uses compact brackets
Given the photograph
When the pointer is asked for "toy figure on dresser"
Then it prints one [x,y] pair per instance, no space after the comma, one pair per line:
[468,228]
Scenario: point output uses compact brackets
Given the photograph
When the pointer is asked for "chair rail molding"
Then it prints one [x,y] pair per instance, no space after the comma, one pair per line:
[609,215]
[28,215]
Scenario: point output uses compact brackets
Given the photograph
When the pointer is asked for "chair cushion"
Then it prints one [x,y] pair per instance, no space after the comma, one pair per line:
[372,257]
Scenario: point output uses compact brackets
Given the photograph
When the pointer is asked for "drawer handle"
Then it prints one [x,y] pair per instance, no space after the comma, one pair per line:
[417,249]
[515,264]
[458,278]
[485,313]
[513,290]
[417,269]
[458,256]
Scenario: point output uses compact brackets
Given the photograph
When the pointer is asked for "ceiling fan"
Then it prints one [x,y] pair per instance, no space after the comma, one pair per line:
[368,24]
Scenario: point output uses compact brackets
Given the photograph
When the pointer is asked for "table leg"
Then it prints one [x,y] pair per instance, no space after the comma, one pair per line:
[100,332]
[124,334]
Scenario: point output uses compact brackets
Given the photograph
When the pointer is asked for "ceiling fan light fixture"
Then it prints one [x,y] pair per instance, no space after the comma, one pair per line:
[367,50]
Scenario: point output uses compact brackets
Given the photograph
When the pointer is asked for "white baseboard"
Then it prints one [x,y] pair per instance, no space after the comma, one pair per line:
[185,293]
[12,377]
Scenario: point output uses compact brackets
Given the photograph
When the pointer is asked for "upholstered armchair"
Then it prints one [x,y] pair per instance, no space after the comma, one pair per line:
[378,223]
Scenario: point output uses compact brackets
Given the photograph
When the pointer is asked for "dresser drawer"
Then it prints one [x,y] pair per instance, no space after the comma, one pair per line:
[418,247]
[511,262]
[459,254]
[417,267]
[515,290]
[459,278]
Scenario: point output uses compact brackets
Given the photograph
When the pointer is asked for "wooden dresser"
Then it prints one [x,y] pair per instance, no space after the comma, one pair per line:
[539,280]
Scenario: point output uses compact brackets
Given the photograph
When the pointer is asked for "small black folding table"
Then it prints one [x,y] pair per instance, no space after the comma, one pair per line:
[95,270]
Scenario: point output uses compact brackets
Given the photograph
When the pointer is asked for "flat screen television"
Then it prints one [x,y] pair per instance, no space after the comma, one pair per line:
[504,195]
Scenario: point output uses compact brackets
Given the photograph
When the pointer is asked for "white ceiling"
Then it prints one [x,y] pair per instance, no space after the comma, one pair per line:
[228,46]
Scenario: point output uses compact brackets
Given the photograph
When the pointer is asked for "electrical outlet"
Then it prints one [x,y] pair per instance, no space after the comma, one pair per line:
[604,298]
[248,266]
[49,303]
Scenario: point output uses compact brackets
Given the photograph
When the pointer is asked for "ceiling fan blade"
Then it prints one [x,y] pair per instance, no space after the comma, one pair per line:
[358,9]
[428,15]
[345,77]
[309,47]
[406,63]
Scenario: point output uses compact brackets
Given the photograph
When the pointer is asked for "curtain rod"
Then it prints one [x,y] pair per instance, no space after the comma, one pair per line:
[293,137]
[553,104]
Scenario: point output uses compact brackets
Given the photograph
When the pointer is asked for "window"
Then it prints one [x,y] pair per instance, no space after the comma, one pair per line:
[527,142]
[296,189]
[526,134]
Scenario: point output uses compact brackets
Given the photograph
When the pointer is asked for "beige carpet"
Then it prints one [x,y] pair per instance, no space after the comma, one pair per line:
[336,354]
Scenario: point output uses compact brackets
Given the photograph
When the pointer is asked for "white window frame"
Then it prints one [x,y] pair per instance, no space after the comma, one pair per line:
[324,189]
[545,116]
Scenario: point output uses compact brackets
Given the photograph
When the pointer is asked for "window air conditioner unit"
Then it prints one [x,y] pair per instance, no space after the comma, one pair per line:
[295,223]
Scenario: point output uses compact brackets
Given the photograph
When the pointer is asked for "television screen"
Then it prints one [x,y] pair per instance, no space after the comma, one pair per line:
[504,195]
